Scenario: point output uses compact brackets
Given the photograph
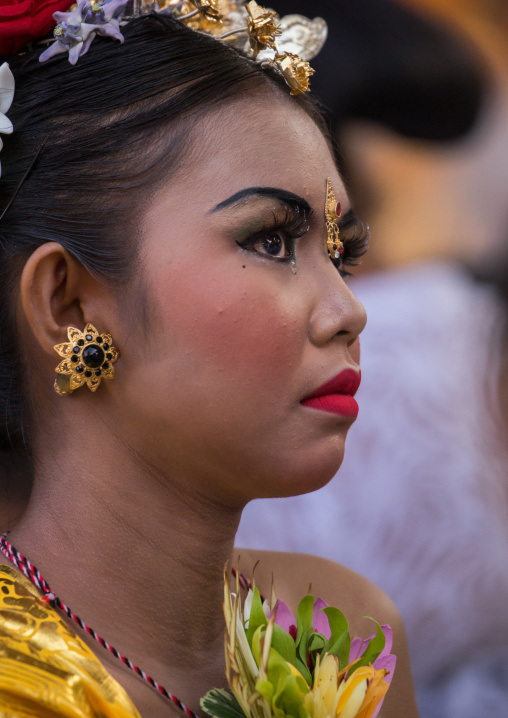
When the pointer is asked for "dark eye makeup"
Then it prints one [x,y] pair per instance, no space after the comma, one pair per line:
[276,238]
[355,236]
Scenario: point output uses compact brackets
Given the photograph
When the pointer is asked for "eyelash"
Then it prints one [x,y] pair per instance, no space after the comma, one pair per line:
[355,243]
[294,224]
[291,226]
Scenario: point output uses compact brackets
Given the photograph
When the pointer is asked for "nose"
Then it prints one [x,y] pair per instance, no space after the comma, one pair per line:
[337,312]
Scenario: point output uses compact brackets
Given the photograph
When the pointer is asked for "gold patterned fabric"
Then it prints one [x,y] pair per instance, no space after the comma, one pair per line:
[45,668]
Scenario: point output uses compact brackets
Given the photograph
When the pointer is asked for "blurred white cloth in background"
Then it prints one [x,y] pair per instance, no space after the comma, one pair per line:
[420,503]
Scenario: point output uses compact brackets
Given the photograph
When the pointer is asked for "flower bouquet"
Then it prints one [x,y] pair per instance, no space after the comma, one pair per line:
[281,667]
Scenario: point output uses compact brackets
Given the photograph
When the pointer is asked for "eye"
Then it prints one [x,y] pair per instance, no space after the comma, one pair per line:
[277,239]
[274,244]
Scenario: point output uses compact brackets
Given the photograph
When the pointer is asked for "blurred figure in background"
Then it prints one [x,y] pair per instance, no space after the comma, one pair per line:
[486,23]
[425,478]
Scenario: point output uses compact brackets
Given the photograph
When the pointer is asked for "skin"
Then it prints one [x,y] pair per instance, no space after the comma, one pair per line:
[139,488]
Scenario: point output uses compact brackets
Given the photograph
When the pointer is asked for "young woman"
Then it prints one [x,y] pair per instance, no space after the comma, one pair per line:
[177,204]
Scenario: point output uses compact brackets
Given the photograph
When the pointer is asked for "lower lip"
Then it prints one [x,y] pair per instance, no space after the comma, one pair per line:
[341,404]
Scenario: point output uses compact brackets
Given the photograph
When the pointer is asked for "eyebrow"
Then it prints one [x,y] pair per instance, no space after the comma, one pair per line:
[280,195]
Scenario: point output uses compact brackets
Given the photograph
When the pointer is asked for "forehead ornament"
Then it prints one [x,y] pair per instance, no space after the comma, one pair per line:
[333,213]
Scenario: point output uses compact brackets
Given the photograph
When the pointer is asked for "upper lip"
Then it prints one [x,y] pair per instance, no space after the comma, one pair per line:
[346,382]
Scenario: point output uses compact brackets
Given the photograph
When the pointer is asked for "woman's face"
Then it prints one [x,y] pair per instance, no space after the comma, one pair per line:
[248,315]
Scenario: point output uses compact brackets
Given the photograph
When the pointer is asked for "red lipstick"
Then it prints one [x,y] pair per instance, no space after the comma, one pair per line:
[337,395]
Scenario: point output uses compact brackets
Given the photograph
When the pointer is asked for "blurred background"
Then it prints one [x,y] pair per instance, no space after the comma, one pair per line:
[417,97]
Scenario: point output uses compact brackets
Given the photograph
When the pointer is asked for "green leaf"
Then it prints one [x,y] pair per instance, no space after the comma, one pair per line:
[257,617]
[265,688]
[317,643]
[337,621]
[288,697]
[284,644]
[376,645]
[256,645]
[304,616]
[301,646]
[279,673]
[344,653]
[338,647]
[302,667]
[221,703]
[277,668]
[340,640]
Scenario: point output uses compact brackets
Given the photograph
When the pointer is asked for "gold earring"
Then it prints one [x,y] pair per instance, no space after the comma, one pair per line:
[88,357]
[333,212]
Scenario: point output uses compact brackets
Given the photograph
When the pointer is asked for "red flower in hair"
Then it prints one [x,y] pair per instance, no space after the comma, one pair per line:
[22,21]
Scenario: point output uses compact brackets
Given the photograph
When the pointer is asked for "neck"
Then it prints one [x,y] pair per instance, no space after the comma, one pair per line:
[137,557]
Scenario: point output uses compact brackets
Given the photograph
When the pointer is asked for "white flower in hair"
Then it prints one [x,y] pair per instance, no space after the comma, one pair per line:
[6,95]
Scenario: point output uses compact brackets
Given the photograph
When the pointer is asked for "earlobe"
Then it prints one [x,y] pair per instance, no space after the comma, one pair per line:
[50,294]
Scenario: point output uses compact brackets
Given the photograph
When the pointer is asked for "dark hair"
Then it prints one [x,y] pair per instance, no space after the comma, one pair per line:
[103,125]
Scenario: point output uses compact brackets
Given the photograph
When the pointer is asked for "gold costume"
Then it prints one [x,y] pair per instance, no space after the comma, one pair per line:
[46,671]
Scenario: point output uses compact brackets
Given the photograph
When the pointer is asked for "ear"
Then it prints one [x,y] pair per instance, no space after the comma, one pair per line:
[58,292]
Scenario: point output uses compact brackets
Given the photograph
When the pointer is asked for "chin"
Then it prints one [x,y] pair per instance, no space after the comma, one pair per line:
[305,473]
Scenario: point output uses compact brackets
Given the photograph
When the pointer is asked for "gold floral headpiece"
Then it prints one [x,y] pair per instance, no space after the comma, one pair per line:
[286,43]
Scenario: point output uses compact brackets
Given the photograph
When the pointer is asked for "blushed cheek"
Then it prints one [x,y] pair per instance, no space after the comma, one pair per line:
[236,327]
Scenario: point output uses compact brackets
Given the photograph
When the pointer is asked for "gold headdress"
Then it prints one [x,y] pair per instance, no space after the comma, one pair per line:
[287,44]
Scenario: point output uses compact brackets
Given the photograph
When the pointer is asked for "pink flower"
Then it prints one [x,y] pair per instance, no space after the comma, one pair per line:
[285,619]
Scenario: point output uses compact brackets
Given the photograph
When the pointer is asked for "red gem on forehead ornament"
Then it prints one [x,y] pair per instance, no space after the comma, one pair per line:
[338,209]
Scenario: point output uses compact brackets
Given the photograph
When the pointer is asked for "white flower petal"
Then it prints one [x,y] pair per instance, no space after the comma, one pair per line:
[74,53]
[247,607]
[244,648]
[6,87]
[87,29]
[5,124]
[55,49]
[74,18]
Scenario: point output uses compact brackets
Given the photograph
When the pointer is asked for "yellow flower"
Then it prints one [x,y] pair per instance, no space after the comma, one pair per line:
[261,27]
[334,695]
[376,691]
[296,72]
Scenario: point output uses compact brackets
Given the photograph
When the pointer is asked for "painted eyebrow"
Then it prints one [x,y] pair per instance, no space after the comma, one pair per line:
[280,195]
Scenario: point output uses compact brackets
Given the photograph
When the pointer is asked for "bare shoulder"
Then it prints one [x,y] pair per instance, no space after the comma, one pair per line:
[356,597]
[294,573]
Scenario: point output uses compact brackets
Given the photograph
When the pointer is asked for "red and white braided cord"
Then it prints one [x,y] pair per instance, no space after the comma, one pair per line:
[34,575]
